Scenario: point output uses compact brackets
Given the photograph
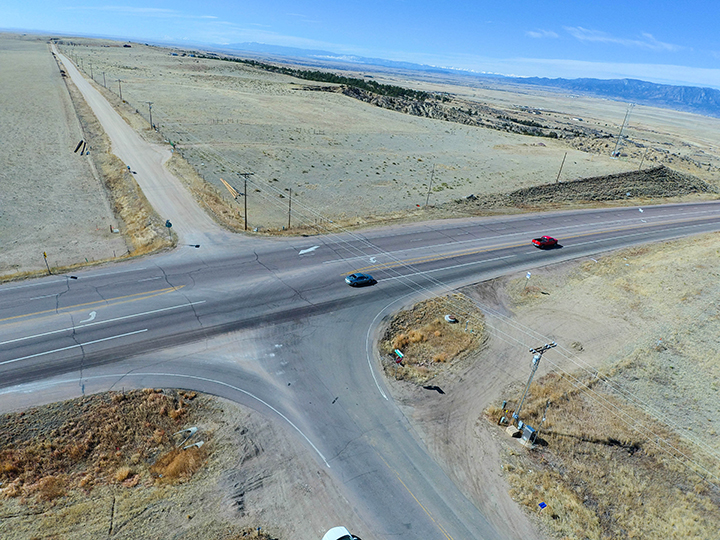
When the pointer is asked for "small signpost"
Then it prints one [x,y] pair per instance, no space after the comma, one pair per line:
[400,356]
[46,263]
[169,226]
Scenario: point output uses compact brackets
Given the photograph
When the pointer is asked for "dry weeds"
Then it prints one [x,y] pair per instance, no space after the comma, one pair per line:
[178,464]
[600,476]
[93,441]
[109,465]
[628,450]
[428,341]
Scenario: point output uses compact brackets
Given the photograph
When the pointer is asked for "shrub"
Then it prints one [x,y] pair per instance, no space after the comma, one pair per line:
[122,473]
[400,341]
[50,488]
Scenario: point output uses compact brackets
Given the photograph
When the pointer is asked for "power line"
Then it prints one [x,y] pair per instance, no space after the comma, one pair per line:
[410,281]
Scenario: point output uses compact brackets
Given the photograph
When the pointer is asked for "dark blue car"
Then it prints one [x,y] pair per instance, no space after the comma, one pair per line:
[360,280]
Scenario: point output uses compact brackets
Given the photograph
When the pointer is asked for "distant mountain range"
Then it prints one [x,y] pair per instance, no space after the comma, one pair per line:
[705,101]
[683,98]
[327,56]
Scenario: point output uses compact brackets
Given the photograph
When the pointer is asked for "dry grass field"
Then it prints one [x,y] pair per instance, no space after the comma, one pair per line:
[114,465]
[637,330]
[340,159]
[629,447]
[52,200]
[345,159]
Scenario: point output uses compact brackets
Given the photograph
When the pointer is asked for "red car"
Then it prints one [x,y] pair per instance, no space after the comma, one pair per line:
[544,242]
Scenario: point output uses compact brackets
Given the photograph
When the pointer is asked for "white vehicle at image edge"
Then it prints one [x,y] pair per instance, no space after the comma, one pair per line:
[339,533]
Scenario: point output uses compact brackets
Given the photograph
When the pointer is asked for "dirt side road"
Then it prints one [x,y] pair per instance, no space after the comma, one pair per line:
[164,192]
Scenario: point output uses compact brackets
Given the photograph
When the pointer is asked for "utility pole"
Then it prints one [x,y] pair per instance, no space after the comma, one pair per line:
[432,175]
[643,158]
[245,175]
[105,85]
[617,143]
[120,89]
[537,352]
[289,208]
[91,71]
[561,168]
[150,109]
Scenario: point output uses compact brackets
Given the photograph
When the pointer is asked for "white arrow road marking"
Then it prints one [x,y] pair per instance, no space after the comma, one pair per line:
[71,347]
[373,260]
[102,322]
[308,250]
[92,317]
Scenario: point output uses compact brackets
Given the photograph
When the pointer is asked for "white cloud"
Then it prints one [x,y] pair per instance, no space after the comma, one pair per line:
[571,69]
[541,34]
[646,41]
[140,11]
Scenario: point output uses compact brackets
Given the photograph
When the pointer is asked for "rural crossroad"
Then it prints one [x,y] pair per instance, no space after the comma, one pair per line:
[270,324]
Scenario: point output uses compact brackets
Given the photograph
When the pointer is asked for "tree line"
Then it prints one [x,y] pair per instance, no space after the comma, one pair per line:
[325,76]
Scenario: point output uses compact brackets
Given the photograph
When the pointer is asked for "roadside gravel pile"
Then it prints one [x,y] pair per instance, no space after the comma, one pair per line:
[657,183]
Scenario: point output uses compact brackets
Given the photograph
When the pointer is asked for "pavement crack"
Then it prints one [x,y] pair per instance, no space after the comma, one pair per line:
[298,294]
[74,337]
[61,293]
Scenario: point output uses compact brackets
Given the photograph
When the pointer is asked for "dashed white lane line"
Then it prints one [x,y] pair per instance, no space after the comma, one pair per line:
[308,250]
[72,347]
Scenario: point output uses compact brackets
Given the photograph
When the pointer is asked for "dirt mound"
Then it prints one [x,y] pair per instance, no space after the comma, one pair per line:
[657,183]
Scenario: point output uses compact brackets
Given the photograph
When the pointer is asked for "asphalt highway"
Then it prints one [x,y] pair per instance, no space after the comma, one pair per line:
[302,341]
[271,324]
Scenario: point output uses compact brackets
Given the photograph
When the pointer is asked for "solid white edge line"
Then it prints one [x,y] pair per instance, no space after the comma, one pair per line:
[121,376]
[367,341]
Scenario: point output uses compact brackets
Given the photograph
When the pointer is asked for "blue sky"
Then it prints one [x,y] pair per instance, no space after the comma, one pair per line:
[674,42]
